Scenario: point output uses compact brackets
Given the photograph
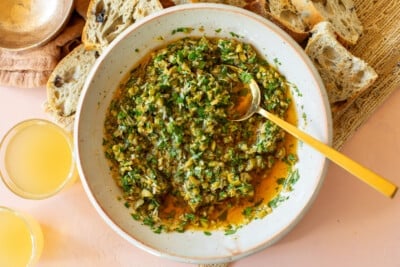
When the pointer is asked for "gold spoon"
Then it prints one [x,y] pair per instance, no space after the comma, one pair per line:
[374,180]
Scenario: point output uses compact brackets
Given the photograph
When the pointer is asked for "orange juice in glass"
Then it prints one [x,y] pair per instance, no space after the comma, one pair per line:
[21,239]
[37,159]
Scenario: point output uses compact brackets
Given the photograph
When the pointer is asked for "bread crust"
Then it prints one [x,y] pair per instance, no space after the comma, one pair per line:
[106,19]
[341,13]
[66,81]
[345,76]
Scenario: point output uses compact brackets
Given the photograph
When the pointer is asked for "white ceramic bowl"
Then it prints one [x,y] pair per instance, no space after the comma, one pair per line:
[126,51]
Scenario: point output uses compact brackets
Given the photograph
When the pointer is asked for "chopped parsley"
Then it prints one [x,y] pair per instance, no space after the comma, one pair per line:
[178,159]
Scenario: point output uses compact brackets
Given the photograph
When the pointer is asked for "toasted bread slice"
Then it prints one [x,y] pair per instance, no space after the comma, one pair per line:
[66,81]
[286,12]
[341,13]
[345,75]
[267,9]
[106,19]
[263,8]
[298,17]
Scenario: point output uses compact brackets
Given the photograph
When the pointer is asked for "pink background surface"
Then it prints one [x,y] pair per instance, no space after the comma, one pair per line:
[349,223]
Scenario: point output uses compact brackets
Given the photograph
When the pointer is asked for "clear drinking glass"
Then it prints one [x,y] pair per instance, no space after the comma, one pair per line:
[37,159]
[21,239]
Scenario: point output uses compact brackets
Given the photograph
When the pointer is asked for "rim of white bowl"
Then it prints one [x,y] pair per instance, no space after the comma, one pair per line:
[215,260]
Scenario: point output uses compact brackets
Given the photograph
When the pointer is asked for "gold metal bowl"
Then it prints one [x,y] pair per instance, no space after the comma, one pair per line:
[26,24]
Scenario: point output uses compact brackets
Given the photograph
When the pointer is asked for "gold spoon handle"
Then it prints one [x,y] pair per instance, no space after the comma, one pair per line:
[371,178]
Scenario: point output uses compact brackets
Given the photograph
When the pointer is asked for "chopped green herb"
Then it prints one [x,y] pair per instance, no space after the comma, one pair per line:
[274,203]
[183,30]
[233,34]
[292,179]
[247,211]
[245,77]
[230,230]
[136,217]
[277,62]
[158,229]
[168,134]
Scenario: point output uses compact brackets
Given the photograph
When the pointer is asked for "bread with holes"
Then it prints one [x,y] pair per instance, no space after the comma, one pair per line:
[345,76]
[106,19]
[66,82]
[341,13]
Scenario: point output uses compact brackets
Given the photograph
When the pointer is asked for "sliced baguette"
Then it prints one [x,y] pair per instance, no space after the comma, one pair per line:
[298,17]
[66,81]
[263,8]
[341,13]
[286,12]
[345,76]
[106,19]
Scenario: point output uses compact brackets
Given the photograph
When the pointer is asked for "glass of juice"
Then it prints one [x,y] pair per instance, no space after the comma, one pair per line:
[37,159]
[21,239]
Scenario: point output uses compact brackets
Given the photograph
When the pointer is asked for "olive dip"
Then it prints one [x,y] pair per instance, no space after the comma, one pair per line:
[179,160]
